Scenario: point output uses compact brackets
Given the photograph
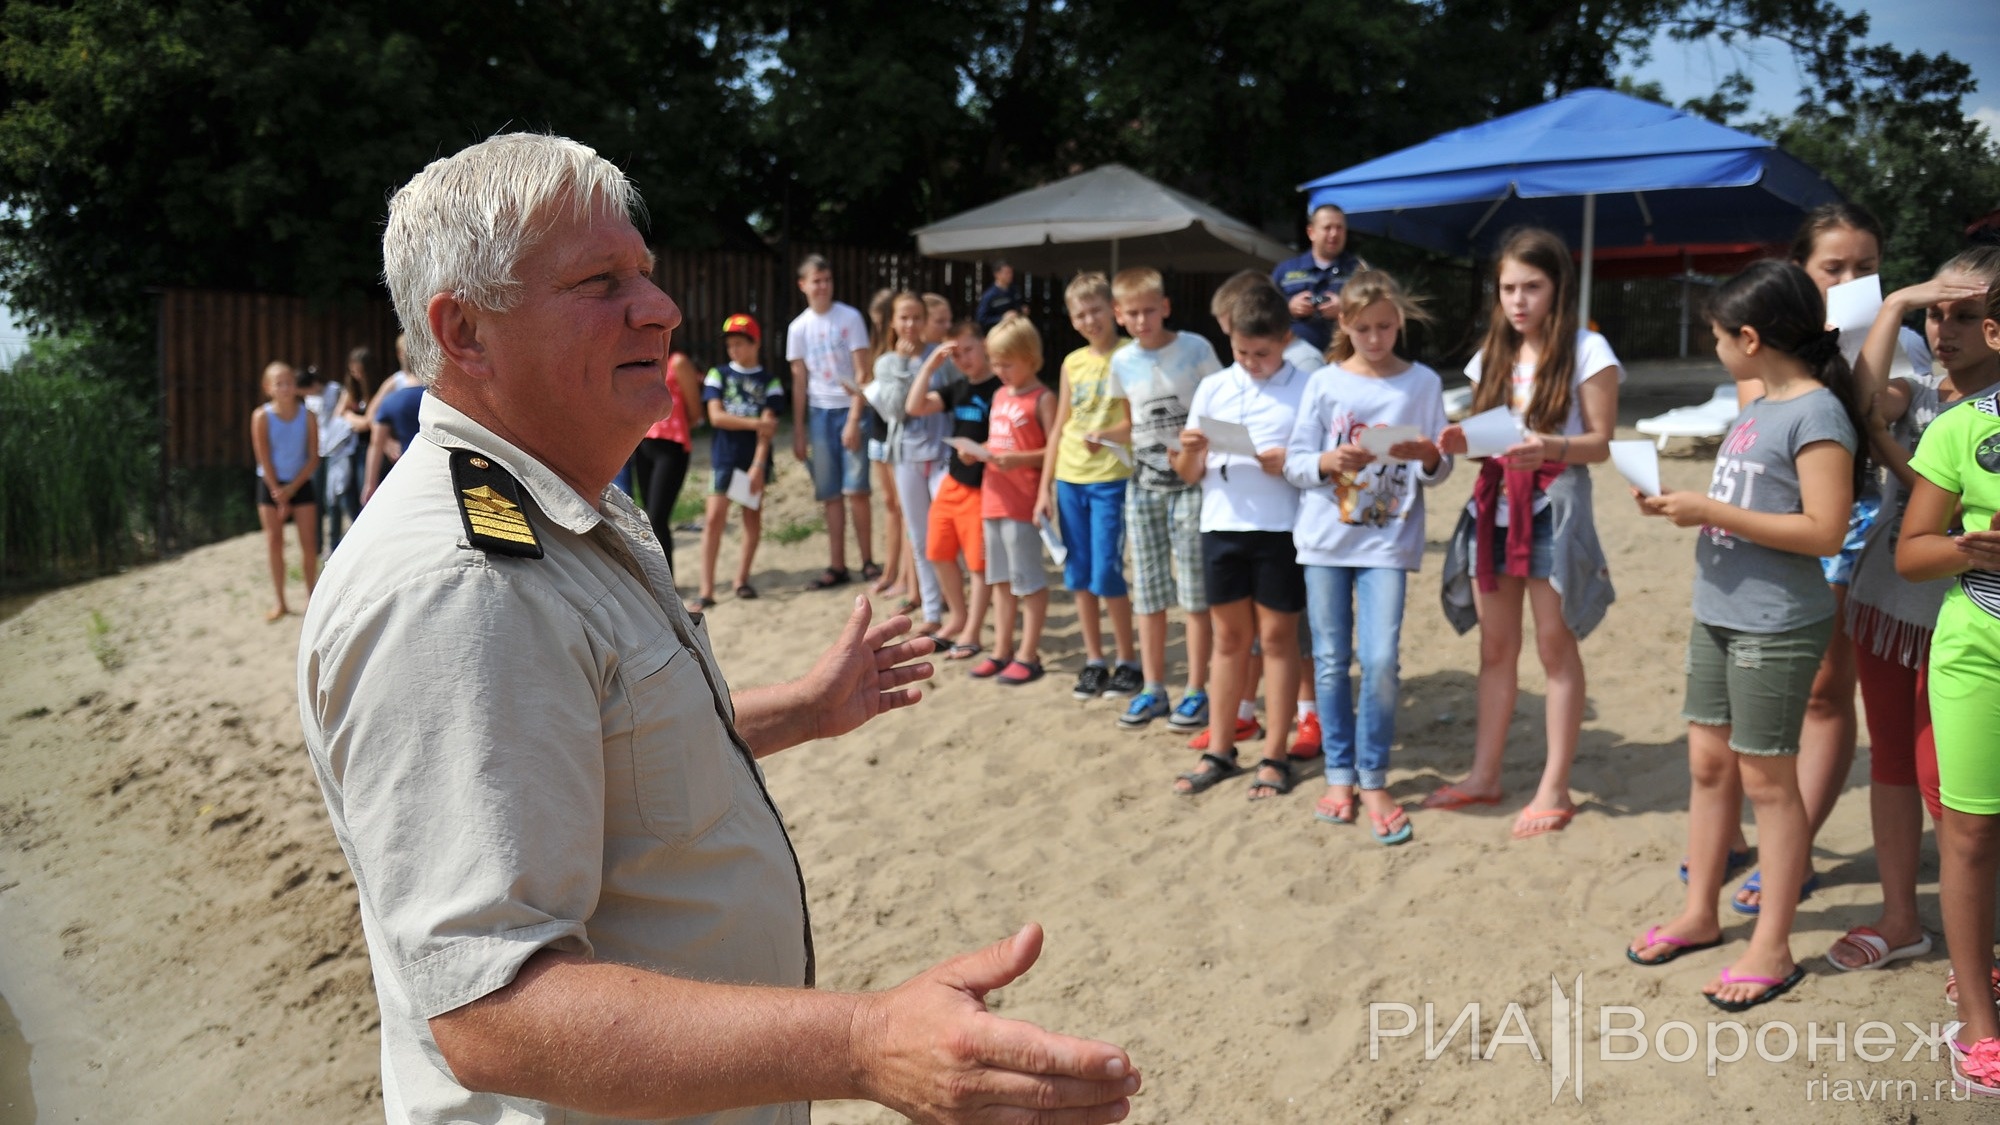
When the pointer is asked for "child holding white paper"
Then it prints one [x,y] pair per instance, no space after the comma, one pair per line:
[1250,570]
[1779,498]
[743,402]
[957,382]
[1084,486]
[1360,532]
[1528,535]
[1838,244]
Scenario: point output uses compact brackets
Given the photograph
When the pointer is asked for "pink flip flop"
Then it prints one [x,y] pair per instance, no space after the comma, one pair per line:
[1681,946]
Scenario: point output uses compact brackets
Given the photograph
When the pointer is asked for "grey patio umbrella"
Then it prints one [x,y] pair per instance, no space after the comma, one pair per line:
[1096,219]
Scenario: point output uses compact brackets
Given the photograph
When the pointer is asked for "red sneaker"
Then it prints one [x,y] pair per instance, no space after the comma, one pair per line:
[1307,744]
[1247,730]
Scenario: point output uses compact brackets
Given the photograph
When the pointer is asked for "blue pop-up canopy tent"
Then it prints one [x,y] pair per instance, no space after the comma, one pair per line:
[1596,166]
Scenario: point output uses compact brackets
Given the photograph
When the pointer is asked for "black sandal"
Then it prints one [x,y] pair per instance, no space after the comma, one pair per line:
[1277,788]
[871,571]
[829,578]
[1201,780]
[746,591]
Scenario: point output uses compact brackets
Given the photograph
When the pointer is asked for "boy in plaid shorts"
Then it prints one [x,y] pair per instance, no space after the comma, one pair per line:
[1157,376]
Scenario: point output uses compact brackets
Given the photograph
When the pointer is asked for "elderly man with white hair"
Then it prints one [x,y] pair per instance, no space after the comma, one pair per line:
[578,898]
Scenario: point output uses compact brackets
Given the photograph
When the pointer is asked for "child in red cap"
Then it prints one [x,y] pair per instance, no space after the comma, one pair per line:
[743,402]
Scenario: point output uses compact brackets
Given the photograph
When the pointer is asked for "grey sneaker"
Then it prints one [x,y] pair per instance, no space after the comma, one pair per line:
[1090,682]
[1125,680]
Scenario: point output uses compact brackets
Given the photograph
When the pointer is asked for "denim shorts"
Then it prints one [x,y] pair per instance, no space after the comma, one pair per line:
[1542,555]
[836,470]
[1756,684]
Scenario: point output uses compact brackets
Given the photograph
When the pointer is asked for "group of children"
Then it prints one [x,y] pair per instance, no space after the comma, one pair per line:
[1844,539]
[1290,511]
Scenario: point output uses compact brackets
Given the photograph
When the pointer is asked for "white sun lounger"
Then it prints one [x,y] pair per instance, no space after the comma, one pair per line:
[1710,419]
[1458,403]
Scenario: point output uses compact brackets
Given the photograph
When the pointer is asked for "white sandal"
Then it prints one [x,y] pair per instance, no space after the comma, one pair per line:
[1876,947]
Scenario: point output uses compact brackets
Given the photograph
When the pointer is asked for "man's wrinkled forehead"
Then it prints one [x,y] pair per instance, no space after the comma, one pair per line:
[599,235]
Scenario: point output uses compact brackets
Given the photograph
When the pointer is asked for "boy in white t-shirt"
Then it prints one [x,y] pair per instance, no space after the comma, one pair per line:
[827,346]
[1157,375]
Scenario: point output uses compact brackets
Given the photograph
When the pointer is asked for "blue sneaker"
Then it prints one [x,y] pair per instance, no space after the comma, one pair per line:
[1144,709]
[1192,714]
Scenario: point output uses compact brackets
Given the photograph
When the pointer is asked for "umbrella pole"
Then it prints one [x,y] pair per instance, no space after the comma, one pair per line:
[1687,271]
[1589,252]
[1114,257]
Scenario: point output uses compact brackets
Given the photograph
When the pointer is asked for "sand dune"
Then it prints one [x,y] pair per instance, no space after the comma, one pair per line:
[182,942]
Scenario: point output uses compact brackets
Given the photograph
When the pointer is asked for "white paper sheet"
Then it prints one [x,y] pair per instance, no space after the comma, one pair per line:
[1122,452]
[1491,433]
[1380,439]
[739,491]
[1854,304]
[970,448]
[1639,463]
[848,384]
[1052,539]
[1227,437]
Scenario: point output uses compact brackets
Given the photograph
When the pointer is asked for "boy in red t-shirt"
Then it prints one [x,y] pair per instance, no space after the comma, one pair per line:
[1016,444]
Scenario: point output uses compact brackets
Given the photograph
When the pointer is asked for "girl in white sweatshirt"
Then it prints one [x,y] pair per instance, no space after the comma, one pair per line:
[1360,532]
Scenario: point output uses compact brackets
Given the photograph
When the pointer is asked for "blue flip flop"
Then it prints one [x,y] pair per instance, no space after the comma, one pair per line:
[1386,836]
[1736,863]
[1756,883]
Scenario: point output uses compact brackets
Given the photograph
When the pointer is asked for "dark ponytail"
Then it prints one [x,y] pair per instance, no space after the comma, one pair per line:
[1789,314]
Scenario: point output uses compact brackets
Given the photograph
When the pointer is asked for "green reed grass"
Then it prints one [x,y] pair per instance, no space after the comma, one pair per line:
[76,451]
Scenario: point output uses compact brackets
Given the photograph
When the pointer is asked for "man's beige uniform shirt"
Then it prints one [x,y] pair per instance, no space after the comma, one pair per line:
[521,754]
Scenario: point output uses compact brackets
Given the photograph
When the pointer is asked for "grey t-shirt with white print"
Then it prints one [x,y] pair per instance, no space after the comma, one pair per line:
[1742,585]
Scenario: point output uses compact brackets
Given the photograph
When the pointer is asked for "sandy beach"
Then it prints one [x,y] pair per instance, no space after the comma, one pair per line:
[182,943]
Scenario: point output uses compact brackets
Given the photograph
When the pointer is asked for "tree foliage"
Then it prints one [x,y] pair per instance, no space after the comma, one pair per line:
[253,145]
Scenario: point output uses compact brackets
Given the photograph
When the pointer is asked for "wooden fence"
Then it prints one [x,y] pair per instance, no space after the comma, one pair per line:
[214,345]
[213,349]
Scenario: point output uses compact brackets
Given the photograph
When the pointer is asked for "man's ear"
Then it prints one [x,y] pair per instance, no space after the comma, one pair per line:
[455,326]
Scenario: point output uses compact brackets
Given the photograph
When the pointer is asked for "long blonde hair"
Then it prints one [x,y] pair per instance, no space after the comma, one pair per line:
[1363,290]
[1548,407]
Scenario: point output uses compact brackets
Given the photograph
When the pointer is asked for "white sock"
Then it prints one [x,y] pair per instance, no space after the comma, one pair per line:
[1308,707]
[1246,711]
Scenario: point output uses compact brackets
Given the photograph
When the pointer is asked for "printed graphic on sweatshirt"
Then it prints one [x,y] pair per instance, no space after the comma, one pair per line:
[1379,493]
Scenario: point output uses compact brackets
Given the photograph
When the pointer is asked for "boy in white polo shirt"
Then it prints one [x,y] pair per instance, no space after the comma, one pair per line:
[1250,567]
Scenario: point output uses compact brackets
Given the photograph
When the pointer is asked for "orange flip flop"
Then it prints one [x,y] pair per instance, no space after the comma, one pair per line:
[1562,817]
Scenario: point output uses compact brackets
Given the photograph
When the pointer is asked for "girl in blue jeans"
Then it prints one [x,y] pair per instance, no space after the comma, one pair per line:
[1360,532]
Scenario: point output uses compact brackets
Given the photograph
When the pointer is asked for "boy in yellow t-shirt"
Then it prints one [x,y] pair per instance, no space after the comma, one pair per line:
[1084,487]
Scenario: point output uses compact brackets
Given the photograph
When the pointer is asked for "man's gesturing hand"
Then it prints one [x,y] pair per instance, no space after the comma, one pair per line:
[930,1050]
[863,674]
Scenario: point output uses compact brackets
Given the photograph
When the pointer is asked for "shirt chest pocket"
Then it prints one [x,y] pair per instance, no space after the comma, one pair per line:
[680,753]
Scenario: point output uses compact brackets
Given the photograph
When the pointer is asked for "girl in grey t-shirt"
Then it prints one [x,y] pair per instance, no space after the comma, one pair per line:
[1778,500]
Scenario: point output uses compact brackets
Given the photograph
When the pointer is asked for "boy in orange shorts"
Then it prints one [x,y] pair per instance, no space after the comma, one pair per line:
[957,380]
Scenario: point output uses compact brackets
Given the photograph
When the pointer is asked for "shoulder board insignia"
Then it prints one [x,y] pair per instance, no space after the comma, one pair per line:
[489,499]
